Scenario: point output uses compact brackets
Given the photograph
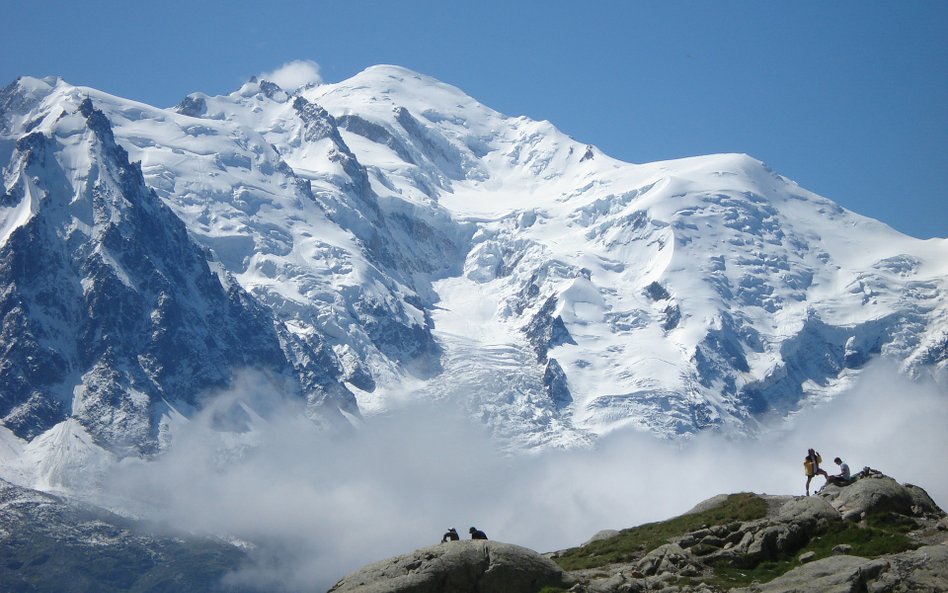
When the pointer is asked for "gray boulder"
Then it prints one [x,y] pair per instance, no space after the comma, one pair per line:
[924,569]
[879,494]
[666,558]
[468,566]
[808,510]
[836,574]
[601,535]
[790,524]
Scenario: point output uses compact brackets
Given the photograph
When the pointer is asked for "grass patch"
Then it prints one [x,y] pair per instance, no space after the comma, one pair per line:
[634,543]
[879,535]
[893,522]
[726,576]
[867,542]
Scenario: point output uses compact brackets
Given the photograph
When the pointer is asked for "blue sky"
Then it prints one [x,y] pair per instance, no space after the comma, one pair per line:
[848,98]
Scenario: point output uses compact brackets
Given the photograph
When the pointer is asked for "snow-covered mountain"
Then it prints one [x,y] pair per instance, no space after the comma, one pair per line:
[389,239]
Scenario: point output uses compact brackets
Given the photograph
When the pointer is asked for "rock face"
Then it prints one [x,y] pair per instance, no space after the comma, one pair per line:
[878,493]
[924,569]
[872,535]
[48,545]
[470,566]
[110,329]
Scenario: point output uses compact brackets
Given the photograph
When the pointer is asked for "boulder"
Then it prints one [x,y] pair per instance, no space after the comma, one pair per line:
[706,505]
[601,535]
[836,574]
[806,557]
[924,569]
[791,523]
[810,511]
[879,494]
[773,541]
[665,558]
[468,566]
[842,549]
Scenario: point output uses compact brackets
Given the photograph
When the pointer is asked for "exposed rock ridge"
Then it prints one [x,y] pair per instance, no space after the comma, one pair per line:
[108,328]
[49,545]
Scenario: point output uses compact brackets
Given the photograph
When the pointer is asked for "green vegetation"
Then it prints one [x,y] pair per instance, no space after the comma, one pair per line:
[893,522]
[869,542]
[883,536]
[634,543]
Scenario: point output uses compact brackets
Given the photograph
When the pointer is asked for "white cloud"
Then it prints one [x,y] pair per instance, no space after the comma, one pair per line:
[323,505]
[295,74]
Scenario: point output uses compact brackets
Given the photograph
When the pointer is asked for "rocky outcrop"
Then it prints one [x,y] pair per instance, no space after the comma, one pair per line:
[750,543]
[878,493]
[470,566]
[100,325]
[871,535]
[924,569]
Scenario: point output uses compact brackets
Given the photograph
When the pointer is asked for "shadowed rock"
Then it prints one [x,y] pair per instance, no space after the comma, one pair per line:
[924,569]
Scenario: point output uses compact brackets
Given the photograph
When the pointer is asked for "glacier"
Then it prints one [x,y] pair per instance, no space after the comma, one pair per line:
[388,239]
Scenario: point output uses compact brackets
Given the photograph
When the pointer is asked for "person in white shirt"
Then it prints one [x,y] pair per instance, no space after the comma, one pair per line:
[843,477]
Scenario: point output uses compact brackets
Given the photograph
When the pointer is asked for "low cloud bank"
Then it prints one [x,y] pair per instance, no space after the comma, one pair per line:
[318,506]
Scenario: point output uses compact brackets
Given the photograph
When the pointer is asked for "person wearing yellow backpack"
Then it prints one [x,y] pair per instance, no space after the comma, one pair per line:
[811,466]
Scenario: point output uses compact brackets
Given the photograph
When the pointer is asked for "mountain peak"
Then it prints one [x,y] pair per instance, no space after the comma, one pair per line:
[404,237]
[113,313]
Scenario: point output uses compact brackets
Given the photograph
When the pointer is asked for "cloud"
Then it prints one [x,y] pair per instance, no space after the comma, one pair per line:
[318,506]
[293,75]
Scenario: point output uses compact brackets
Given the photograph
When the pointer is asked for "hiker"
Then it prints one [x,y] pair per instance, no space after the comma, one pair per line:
[477,533]
[451,535]
[843,477]
[811,465]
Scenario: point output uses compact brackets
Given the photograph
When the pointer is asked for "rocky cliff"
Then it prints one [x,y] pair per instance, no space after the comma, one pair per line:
[50,545]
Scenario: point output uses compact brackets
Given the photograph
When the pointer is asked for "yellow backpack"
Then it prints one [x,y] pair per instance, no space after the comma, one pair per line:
[808,466]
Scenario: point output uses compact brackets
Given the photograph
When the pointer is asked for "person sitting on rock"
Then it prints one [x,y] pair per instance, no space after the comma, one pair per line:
[477,533]
[451,535]
[811,464]
[843,477]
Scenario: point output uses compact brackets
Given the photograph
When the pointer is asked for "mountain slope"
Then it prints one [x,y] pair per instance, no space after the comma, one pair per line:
[674,295]
[111,314]
[50,545]
[407,242]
